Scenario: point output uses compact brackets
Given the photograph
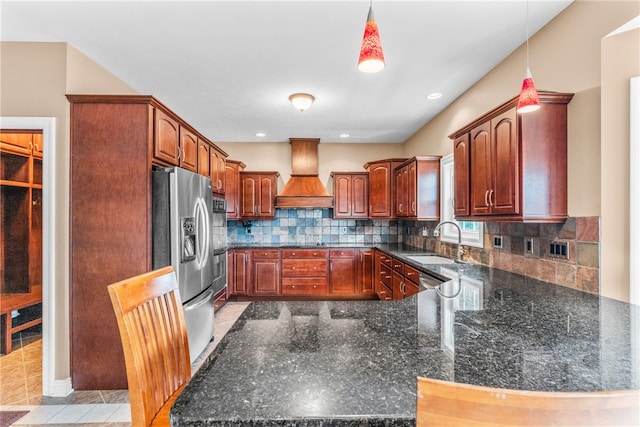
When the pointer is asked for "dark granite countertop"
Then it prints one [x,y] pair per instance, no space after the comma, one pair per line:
[344,363]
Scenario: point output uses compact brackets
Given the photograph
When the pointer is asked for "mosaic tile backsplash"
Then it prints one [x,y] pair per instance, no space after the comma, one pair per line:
[316,226]
[312,227]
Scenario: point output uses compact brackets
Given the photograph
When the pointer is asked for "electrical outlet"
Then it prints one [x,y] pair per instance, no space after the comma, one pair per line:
[529,244]
[425,231]
[559,250]
[497,242]
[344,230]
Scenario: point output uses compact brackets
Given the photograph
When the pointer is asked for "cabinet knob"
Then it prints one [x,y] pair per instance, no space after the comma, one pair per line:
[293,254]
[315,253]
[293,286]
[315,268]
[265,254]
[293,268]
[315,286]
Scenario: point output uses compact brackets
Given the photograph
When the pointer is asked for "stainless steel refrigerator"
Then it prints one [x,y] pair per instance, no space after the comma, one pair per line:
[189,234]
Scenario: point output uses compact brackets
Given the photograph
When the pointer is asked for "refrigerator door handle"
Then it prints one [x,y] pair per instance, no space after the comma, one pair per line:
[201,300]
[202,219]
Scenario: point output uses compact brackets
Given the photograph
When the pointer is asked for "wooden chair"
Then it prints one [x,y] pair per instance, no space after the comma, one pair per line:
[444,403]
[154,339]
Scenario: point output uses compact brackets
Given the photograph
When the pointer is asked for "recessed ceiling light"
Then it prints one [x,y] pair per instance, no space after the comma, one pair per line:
[261,134]
[434,95]
[344,135]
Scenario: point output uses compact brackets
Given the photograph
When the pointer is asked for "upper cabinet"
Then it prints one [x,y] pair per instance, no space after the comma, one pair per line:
[351,194]
[166,138]
[257,195]
[217,170]
[417,185]
[513,167]
[188,152]
[232,187]
[382,188]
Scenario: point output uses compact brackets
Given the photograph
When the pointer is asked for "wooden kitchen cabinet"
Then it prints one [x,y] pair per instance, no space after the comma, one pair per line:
[257,195]
[203,159]
[382,188]
[343,271]
[232,187]
[115,141]
[517,163]
[417,183]
[351,194]
[265,272]
[304,272]
[217,170]
[189,149]
[461,166]
[366,271]
[238,279]
[383,276]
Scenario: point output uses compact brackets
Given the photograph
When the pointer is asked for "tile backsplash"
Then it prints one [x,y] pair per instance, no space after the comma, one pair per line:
[525,247]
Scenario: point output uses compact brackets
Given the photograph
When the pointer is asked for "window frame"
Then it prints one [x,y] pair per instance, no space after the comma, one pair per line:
[472,232]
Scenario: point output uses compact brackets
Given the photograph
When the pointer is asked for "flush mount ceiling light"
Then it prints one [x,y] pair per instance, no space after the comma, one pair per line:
[528,100]
[371,58]
[301,101]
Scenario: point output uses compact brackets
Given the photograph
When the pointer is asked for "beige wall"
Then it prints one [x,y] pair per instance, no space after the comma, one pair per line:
[37,88]
[620,62]
[565,56]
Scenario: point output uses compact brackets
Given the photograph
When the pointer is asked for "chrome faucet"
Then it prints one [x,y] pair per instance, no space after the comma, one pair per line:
[436,232]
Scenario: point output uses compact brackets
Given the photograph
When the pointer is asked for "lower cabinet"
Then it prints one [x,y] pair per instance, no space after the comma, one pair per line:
[265,272]
[304,272]
[301,272]
[395,279]
[383,276]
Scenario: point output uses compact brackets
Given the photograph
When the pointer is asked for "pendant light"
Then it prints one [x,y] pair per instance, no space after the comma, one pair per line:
[528,100]
[371,58]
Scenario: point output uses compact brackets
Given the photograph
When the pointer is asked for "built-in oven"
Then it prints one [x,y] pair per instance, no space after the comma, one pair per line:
[219,243]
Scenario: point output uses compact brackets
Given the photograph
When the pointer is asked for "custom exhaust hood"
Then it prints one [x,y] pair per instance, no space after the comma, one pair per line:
[304,189]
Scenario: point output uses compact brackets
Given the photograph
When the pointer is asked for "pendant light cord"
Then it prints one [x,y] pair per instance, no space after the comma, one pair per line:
[527,31]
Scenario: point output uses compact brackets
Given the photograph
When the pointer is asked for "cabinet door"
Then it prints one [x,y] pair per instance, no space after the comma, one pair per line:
[366,273]
[188,150]
[232,189]
[480,155]
[166,137]
[360,196]
[412,189]
[398,286]
[461,175]
[203,158]
[249,189]
[266,196]
[342,276]
[342,188]
[217,166]
[401,191]
[239,272]
[19,143]
[504,194]
[380,191]
[222,163]
[265,277]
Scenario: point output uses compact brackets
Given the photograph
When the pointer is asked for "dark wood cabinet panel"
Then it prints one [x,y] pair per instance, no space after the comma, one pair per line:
[189,149]
[265,277]
[238,268]
[257,195]
[417,188]
[381,188]
[366,273]
[166,141]
[351,194]
[461,165]
[203,158]
[232,187]
[517,163]
[342,276]
[217,170]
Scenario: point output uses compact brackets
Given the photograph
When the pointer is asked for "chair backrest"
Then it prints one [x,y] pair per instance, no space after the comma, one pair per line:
[154,339]
[444,403]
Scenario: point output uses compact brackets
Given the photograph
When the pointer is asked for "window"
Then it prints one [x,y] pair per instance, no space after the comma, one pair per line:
[471,231]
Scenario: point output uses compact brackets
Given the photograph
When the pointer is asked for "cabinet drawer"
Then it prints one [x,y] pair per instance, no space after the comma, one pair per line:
[265,253]
[412,274]
[342,253]
[303,253]
[304,286]
[384,293]
[397,266]
[386,260]
[385,275]
[304,267]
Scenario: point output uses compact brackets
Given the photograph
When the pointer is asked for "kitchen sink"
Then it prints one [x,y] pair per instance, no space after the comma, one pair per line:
[430,259]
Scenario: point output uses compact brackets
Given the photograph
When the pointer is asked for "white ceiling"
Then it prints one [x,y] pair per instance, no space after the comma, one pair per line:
[228,67]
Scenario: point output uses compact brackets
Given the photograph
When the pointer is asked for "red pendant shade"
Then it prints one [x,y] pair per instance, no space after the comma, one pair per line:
[528,100]
[371,56]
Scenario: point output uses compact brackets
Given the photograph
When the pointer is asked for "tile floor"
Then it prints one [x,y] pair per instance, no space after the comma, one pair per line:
[21,387]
